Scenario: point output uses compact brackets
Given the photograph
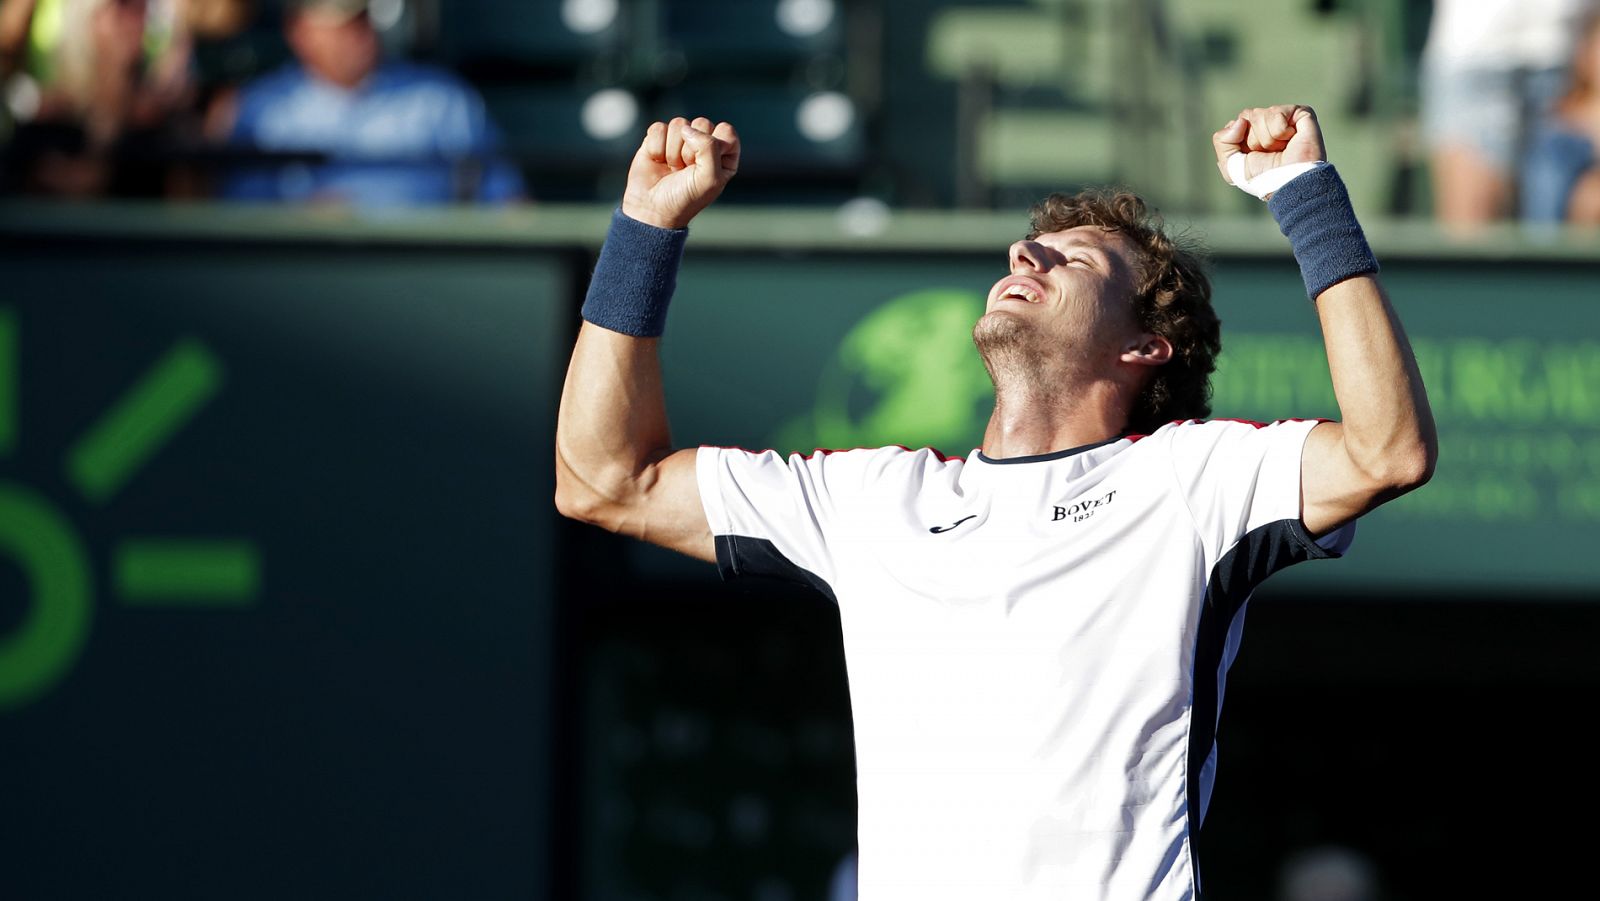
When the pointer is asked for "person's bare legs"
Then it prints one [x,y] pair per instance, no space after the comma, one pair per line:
[1583,207]
[1467,189]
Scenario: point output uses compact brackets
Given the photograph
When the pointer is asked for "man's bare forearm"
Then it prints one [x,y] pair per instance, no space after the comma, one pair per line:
[1388,426]
[615,466]
[1385,443]
[612,422]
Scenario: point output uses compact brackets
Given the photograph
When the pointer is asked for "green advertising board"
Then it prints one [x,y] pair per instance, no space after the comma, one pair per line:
[844,351]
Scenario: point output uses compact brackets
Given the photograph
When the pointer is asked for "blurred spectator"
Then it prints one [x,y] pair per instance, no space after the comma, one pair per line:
[391,133]
[16,17]
[1561,181]
[1490,69]
[216,46]
[84,80]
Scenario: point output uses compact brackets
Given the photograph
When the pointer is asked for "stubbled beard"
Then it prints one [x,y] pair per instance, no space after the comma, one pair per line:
[1025,364]
[1011,348]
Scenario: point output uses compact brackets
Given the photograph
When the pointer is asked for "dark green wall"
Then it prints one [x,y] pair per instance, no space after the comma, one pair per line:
[359,703]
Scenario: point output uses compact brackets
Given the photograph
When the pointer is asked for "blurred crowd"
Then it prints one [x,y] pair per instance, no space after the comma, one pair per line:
[1510,101]
[294,100]
[304,100]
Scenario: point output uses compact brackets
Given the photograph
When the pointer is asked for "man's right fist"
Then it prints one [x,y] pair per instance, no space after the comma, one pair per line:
[1269,137]
[680,168]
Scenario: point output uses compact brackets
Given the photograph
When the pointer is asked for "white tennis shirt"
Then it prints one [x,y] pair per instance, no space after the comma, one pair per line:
[1036,647]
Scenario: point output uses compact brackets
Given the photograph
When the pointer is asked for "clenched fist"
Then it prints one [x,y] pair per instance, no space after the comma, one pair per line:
[1270,137]
[680,168]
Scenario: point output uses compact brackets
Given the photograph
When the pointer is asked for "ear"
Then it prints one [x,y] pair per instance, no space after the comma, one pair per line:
[1149,349]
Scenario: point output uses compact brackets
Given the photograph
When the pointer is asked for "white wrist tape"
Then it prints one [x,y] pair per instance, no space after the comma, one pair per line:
[1269,181]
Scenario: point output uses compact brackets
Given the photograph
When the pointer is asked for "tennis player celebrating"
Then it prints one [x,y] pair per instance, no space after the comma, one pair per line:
[1037,637]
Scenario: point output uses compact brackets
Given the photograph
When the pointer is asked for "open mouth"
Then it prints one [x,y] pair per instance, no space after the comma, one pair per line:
[1020,290]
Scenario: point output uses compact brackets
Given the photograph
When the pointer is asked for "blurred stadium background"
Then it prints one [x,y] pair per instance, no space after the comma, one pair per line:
[286,609]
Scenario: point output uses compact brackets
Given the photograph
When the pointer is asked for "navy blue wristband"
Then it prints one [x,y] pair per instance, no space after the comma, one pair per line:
[1314,212]
[634,278]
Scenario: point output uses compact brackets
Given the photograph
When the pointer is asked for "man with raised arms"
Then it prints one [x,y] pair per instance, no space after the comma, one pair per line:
[1037,636]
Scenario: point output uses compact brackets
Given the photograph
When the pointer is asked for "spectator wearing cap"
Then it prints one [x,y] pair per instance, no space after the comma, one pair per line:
[377,133]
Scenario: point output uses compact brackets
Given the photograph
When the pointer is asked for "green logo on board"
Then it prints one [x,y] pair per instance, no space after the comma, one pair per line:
[907,374]
[145,571]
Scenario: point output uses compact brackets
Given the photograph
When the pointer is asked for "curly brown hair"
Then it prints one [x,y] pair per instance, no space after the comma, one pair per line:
[1172,298]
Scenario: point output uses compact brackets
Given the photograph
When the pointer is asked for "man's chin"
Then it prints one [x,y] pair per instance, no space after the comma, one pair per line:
[1000,328]
[1003,313]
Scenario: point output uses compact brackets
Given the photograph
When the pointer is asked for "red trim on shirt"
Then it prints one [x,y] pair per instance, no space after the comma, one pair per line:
[945,459]
[1251,422]
[837,450]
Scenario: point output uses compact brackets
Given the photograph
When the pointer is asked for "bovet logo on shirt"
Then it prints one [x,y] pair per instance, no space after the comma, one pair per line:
[1078,511]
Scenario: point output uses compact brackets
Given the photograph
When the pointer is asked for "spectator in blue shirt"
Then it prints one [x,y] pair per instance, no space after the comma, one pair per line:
[371,133]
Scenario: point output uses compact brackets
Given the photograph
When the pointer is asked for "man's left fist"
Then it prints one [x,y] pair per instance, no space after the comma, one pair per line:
[1269,137]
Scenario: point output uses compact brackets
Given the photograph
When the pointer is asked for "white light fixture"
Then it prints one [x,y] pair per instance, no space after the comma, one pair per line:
[825,116]
[588,16]
[386,14]
[804,18]
[23,97]
[863,217]
[609,114]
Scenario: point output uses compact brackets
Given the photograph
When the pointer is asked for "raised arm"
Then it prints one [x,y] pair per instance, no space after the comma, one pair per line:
[1385,443]
[615,466]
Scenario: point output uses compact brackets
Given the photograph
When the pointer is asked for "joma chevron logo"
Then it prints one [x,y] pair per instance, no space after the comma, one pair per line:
[937,529]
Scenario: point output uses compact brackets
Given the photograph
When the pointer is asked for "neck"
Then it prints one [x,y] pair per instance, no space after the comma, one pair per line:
[1027,422]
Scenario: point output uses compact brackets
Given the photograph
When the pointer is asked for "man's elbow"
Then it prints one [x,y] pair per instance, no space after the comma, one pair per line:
[574,503]
[576,498]
[1415,470]
[1399,470]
